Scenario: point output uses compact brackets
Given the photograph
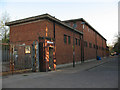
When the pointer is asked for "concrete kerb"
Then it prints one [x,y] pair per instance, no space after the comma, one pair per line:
[96,65]
[71,64]
[15,72]
[92,63]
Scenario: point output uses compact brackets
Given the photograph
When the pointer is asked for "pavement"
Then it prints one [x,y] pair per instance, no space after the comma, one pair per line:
[81,66]
[94,74]
[86,65]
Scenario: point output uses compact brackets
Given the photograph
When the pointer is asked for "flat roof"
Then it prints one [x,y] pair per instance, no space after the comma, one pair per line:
[81,19]
[43,16]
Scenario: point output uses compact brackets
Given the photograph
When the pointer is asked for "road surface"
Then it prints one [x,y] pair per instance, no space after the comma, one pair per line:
[104,75]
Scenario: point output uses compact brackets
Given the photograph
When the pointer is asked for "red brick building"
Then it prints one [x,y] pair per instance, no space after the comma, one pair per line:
[94,42]
[74,40]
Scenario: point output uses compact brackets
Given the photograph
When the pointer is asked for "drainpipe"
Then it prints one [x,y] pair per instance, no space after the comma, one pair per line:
[96,44]
[82,44]
[73,50]
[102,47]
[54,29]
[81,48]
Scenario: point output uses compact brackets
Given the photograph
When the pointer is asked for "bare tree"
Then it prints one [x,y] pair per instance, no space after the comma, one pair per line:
[116,47]
[4,30]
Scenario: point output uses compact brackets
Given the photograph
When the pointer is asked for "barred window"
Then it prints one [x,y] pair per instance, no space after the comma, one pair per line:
[102,48]
[94,46]
[99,47]
[90,45]
[76,40]
[65,38]
[79,42]
[74,25]
[85,43]
[69,40]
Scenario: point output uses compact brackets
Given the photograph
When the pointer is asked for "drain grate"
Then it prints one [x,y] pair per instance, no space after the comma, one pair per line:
[25,75]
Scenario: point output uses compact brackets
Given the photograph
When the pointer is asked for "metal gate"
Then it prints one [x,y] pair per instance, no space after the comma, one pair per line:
[51,62]
[16,58]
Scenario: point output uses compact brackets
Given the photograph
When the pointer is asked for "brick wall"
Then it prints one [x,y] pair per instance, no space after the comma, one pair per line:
[64,51]
[28,32]
[89,37]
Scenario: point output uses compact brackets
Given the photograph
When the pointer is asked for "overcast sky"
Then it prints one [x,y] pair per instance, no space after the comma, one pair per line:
[101,14]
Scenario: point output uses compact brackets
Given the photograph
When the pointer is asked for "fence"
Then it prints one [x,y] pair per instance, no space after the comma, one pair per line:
[32,56]
[5,58]
[16,57]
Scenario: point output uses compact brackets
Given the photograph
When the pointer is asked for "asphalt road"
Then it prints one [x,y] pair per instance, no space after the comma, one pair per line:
[104,75]
[0,55]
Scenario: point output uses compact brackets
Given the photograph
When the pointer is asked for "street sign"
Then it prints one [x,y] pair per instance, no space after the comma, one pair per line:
[49,42]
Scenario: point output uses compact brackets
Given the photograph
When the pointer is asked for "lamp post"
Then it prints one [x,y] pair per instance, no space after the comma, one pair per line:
[82,44]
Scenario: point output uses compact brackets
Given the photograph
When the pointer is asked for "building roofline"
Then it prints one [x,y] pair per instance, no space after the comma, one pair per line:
[43,16]
[81,19]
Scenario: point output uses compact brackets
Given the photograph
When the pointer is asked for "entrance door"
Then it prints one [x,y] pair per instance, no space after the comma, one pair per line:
[51,58]
[42,63]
